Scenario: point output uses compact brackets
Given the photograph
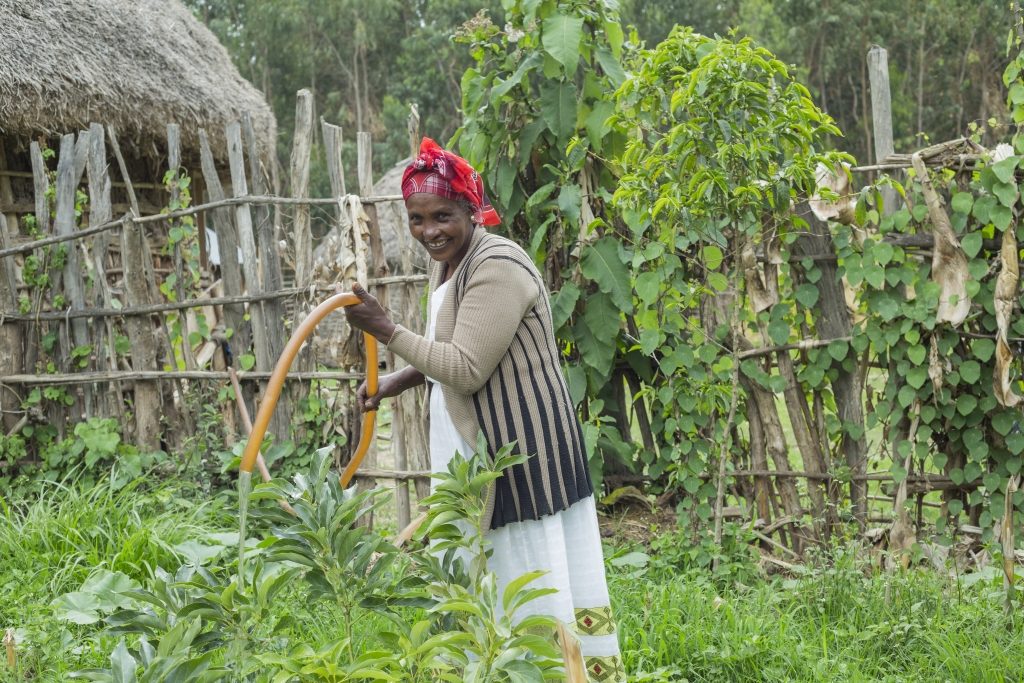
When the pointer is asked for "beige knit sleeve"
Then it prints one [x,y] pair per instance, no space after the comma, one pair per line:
[497,296]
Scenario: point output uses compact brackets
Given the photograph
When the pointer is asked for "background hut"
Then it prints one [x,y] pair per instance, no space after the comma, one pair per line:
[152,77]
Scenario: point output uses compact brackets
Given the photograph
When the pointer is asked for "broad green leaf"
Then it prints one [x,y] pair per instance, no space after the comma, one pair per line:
[558,108]
[807,295]
[1003,422]
[613,32]
[917,353]
[966,404]
[564,302]
[601,263]
[540,195]
[907,394]
[970,371]
[983,349]
[122,665]
[576,377]
[712,257]
[882,252]
[506,181]
[962,202]
[569,202]
[917,376]
[561,37]
[597,351]
[718,282]
[610,65]
[528,138]
[596,123]
[971,243]
[1004,170]
[778,330]
[650,340]
[1001,217]
[648,286]
[602,317]
[1006,193]
[77,607]
[838,350]
[513,80]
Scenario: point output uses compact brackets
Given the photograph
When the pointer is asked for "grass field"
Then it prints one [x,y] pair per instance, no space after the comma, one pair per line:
[837,622]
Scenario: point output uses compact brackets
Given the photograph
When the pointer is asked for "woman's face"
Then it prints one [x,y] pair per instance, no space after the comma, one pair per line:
[442,226]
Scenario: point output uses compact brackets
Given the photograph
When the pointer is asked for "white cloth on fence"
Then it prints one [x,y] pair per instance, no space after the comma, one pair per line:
[566,544]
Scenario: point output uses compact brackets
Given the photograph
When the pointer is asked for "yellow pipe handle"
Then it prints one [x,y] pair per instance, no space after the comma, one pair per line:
[284,363]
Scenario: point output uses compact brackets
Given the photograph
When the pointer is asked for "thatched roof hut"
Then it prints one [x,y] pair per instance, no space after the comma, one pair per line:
[137,65]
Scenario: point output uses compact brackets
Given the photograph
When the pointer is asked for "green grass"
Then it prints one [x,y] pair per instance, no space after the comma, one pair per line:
[50,545]
[834,623]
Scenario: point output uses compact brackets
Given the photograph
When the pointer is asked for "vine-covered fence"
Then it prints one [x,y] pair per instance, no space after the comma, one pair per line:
[168,319]
[802,374]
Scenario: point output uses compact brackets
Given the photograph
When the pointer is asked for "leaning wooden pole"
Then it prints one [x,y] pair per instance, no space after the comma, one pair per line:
[140,333]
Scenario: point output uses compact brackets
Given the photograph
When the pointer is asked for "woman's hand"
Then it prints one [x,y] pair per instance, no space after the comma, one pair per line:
[388,386]
[369,315]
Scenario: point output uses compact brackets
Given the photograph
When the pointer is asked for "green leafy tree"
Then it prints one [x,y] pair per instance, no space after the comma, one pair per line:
[724,142]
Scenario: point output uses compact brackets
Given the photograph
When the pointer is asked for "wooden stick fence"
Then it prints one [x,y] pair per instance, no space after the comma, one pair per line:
[253,294]
[150,298]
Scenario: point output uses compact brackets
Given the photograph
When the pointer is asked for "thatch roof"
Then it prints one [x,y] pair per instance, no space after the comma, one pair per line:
[134,64]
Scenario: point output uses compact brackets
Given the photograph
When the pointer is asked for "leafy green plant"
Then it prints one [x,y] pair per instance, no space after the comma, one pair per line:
[444,621]
[681,551]
[345,563]
[724,141]
[494,645]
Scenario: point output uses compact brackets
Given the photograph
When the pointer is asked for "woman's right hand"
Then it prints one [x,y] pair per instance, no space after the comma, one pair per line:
[388,386]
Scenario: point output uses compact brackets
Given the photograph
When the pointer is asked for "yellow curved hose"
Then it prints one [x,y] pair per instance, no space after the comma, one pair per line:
[284,363]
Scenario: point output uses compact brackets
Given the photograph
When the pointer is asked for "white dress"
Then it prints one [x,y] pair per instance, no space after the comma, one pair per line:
[566,544]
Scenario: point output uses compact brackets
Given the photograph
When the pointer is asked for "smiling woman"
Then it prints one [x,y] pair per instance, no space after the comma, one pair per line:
[492,368]
[443,226]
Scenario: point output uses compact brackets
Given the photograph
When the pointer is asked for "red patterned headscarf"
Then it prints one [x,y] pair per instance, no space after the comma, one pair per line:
[438,171]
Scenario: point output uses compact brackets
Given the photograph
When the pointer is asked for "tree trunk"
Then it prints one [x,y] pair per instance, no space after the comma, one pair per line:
[832,321]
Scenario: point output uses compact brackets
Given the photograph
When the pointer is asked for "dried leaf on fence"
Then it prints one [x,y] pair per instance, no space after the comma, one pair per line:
[761,296]
[936,371]
[1003,301]
[360,236]
[334,259]
[949,262]
[841,209]
[903,535]
[1006,537]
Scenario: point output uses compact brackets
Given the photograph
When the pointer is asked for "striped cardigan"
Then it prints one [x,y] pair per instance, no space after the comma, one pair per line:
[495,357]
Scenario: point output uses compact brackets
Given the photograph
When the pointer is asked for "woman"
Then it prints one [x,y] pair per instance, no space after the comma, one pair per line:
[490,358]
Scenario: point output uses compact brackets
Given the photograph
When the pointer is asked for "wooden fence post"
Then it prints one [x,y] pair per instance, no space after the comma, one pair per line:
[64,224]
[271,278]
[227,243]
[265,357]
[379,269]
[832,321]
[168,406]
[180,271]
[12,354]
[100,212]
[299,182]
[881,115]
[140,333]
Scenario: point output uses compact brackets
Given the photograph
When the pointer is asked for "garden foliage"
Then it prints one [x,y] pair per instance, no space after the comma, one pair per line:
[442,616]
[665,192]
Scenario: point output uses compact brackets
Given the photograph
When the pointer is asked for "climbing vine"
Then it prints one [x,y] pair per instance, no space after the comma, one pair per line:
[691,216]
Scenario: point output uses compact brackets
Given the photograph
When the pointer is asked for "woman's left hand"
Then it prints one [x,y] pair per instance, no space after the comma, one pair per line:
[369,315]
